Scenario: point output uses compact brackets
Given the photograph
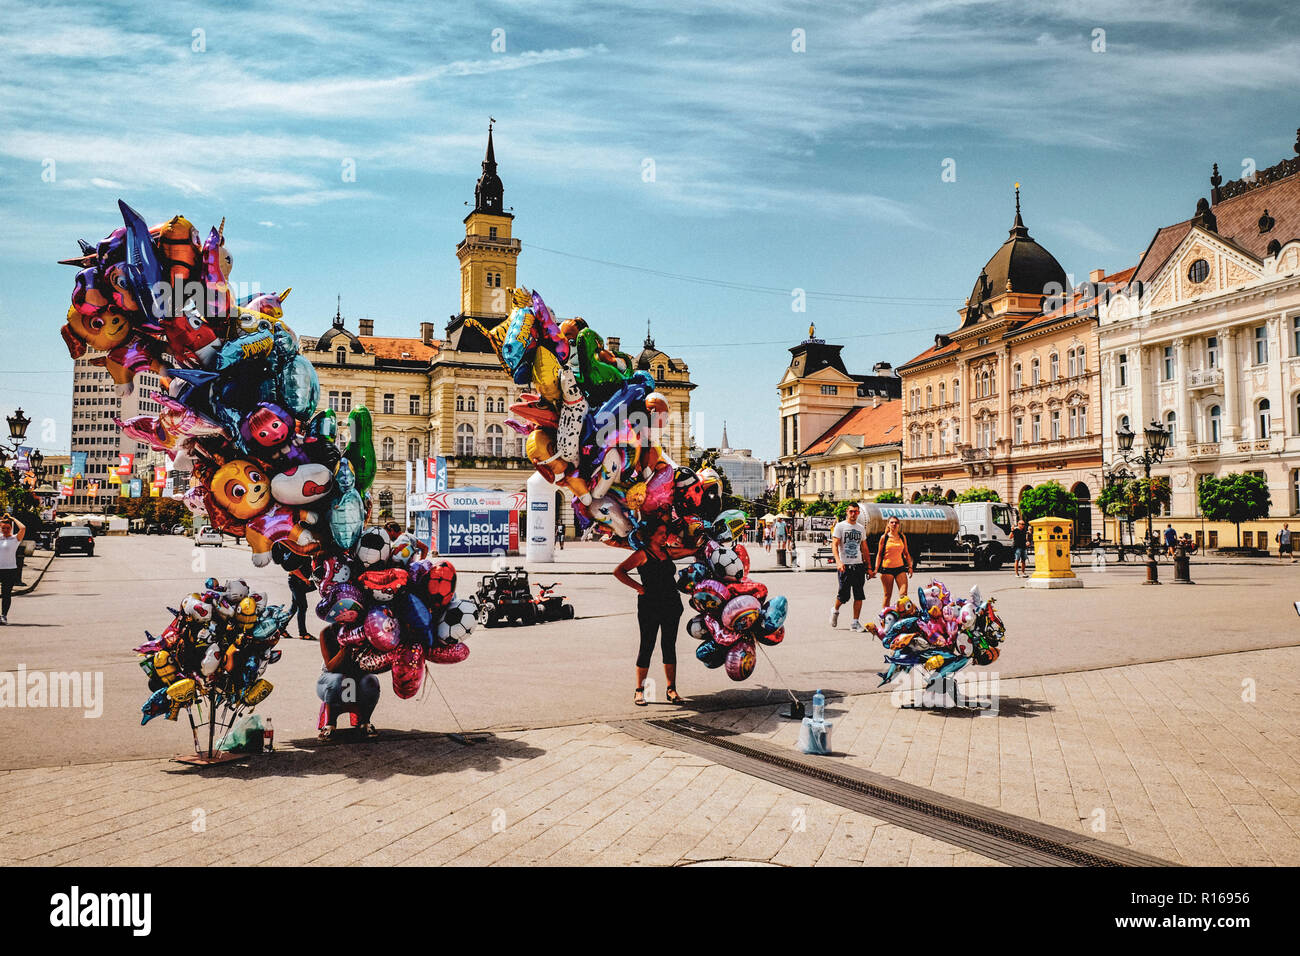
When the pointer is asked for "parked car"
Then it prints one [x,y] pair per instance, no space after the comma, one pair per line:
[153,527]
[178,529]
[207,535]
[74,539]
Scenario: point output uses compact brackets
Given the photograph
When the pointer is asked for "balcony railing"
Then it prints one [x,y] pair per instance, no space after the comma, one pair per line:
[1203,450]
[1205,378]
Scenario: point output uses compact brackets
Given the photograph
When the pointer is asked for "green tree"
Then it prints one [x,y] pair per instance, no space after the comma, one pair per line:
[792,506]
[841,510]
[979,494]
[1050,499]
[889,498]
[19,502]
[930,497]
[1238,497]
[819,507]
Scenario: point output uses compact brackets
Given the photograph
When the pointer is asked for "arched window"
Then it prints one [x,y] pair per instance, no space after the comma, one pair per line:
[387,446]
[413,450]
[1080,361]
[942,401]
[341,355]
[385,500]
[1215,418]
[471,404]
[1033,372]
[1261,419]
[501,405]
[659,373]
[1054,366]
[496,439]
[1123,423]
[956,390]
[464,439]
[1016,379]
[1295,415]
[1171,422]
[1069,363]
[984,384]
[929,396]
[460,403]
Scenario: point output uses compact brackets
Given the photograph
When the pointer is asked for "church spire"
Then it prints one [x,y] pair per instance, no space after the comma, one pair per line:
[1018,230]
[726,445]
[488,192]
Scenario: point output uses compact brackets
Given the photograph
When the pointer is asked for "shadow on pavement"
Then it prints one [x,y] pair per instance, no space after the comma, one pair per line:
[395,752]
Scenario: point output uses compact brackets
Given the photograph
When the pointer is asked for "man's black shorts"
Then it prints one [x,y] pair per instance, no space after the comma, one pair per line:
[852,578]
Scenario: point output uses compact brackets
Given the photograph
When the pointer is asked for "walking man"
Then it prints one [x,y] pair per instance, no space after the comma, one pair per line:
[849,547]
[1284,543]
[1019,548]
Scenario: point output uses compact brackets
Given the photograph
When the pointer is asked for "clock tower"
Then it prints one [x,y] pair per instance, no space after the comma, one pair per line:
[487,257]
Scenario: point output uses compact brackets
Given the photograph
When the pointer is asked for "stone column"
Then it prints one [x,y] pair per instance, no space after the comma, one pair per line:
[1137,371]
[481,434]
[963,410]
[1231,418]
[1184,423]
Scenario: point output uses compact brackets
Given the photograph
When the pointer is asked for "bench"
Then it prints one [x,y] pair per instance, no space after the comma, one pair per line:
[823,554]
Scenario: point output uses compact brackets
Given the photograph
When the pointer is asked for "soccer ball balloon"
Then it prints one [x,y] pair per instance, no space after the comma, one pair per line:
[457,621]
[374,546]
[441,584]
[727,564]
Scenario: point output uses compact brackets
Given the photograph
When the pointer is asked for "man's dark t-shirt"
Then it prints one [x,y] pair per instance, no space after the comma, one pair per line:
[1018,536]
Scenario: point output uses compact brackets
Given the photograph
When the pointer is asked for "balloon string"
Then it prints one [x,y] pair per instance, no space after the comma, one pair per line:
[429,674]
[779,675]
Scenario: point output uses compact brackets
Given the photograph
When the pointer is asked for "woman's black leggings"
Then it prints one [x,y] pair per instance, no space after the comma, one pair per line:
[656,621]
[8,578]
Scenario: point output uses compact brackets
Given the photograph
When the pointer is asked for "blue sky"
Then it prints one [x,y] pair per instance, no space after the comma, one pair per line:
[773,169]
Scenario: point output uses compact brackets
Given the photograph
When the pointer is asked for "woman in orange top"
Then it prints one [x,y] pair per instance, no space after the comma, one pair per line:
[893,561]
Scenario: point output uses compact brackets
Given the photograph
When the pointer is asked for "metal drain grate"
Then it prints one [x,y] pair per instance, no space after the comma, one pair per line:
[989,832]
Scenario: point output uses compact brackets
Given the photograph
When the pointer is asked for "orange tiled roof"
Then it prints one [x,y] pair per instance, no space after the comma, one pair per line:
[389,347]
[1080,299]
[865,426]
[933,351]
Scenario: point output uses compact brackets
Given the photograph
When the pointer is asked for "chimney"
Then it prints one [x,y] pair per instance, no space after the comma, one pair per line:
[1096,275]
[611,343]
[426,333]
[367,327]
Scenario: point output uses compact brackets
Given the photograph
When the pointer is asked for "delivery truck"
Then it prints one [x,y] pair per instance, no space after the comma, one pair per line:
[973,534]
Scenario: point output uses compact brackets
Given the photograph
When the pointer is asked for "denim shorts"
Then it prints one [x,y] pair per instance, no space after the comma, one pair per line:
[1020,554]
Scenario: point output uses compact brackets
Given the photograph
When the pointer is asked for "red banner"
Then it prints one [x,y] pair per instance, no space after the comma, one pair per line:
[125,465]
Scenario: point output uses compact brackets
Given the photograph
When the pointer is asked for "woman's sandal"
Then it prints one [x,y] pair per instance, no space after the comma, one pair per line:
[325,734]
[672,696]
[638,697]
[370,730]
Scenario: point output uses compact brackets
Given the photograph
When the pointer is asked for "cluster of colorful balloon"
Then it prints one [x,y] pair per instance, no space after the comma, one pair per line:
[735,613]
[394,612]
[216,648]
[938,633]
[239,407]
[592,422]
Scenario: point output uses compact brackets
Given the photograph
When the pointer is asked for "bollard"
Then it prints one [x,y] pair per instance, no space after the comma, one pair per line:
[1182,567]
[780,557]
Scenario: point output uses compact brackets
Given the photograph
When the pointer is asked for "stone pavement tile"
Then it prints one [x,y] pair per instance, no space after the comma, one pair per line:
[527,829]
[1272,833]
[735,826]
[890,846]
[652,791]
[849,841]
[809,839]
[671,812]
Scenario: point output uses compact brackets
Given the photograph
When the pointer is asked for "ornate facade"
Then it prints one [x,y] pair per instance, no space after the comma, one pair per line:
[846,427]
[1012,398]
[1205,339]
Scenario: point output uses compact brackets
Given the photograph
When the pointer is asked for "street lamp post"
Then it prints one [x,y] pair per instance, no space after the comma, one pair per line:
[1153,452]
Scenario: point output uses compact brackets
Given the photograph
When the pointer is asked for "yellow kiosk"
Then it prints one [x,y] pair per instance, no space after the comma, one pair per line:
[1052,554]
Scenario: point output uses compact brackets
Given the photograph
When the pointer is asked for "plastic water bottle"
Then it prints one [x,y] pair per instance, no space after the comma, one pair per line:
[819,707]
[268,735]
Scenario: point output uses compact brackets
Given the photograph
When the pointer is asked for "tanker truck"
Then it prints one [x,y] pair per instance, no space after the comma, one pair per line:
[974,534]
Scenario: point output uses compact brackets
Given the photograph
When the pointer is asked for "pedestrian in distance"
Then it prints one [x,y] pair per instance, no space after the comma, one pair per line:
[343,687]
[1171,541]
[893,561]
[1020,549]
[1284,543]
[658,605]
[559,535]
[299,588]
[852,562]
[12,532]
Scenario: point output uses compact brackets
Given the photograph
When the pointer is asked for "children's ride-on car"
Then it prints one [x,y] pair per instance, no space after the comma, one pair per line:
[551,607]
[504,596]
